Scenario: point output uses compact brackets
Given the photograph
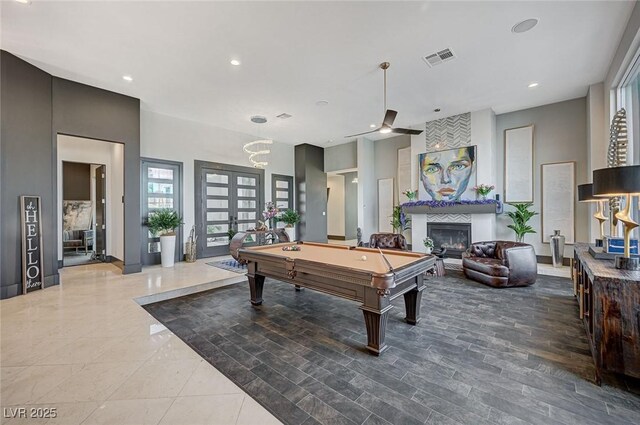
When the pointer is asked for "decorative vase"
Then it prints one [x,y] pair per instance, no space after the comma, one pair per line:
[557,248]
[167,249]
[291,232]
[428,249]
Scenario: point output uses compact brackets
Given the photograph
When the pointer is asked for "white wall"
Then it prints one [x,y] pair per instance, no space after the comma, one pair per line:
[77,149]
[165,137]
[336,206]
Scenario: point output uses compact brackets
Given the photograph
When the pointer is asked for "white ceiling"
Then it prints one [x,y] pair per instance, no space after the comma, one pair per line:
[296,53]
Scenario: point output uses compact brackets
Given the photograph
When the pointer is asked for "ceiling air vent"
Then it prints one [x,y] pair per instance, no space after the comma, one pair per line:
[284,116]
[439,57]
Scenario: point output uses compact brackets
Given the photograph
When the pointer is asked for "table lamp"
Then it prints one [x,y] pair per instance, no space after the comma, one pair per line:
[585,194]
[623,182]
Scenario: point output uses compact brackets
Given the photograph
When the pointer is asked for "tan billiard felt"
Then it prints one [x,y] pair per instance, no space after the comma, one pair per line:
[340,255]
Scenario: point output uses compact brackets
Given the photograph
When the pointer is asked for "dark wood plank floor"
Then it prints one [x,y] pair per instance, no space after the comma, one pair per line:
[479,356]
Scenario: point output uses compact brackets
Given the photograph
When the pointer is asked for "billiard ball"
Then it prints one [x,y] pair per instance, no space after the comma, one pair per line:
[363,258]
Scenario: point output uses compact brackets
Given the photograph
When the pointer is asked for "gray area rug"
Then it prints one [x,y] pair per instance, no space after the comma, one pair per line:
[230,264]
[479,356]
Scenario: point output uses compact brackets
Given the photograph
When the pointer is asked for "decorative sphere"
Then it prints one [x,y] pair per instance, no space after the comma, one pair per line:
[363,258]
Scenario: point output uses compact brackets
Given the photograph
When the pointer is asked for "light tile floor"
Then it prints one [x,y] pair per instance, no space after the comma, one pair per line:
[87,349]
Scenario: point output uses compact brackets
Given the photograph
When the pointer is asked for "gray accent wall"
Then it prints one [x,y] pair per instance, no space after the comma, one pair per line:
[341,157]
[26,160]
[85,111]
[35,107]
[311,193]
[560,134]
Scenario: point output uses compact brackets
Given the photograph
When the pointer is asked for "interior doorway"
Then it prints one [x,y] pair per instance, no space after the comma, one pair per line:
[82,195]
[342,206]
[90,201]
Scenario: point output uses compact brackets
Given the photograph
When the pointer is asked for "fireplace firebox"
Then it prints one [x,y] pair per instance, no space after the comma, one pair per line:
[456,237]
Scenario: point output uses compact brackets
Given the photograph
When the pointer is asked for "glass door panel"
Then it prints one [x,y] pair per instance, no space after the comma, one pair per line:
[282,193]
[161,183]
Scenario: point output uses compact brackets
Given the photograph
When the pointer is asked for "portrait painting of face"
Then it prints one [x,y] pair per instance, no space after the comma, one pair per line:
[448,175]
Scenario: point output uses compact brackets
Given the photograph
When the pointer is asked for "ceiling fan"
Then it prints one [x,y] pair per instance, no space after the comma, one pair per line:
[389,114]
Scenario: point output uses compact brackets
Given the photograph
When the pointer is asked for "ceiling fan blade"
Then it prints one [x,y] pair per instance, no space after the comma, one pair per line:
[405,131]
[389,117]
[362,134]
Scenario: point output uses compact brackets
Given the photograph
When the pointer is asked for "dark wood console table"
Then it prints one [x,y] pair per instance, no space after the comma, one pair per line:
[262,237]
[609,301]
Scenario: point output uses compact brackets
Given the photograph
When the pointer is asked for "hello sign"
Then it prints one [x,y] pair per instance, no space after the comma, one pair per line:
[32,264]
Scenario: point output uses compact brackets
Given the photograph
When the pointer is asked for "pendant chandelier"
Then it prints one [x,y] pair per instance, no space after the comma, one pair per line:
[258,148]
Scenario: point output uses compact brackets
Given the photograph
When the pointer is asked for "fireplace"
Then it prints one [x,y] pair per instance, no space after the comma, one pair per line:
[456,237]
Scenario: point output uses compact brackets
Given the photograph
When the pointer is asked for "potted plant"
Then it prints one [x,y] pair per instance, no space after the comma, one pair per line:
[483,190]
[164,223]
[521,217]
[290,218]
[428,245]
[411,195]
[399,220]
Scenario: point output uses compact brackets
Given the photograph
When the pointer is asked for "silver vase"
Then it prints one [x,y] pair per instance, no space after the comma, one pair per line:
[557,248]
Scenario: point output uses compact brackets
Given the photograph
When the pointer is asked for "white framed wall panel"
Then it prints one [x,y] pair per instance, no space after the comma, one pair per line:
[518,164]
[558,200]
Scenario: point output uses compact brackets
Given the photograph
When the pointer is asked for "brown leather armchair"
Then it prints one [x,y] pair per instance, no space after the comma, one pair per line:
[501,263]
[388,241]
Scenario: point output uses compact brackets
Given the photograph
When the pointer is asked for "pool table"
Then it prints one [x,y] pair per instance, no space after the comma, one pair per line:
[358,274]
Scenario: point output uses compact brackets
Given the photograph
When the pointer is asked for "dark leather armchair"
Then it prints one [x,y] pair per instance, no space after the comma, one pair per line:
[501,263]
[388,241]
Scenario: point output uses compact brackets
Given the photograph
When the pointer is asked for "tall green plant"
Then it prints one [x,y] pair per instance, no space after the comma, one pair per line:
[521,217]
[399,220]
[164,222]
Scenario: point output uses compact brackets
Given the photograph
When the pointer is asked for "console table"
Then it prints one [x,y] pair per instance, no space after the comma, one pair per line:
[609,301]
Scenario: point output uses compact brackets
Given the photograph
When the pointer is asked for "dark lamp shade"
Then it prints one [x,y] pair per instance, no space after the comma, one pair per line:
[585,193]
[616,181]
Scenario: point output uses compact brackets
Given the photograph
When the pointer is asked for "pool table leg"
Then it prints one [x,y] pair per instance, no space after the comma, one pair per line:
[256,283]
[376,311]
[412,301]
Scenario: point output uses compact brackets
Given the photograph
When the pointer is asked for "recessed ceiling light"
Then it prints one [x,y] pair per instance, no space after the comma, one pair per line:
[235,62]
[524,26]
[322,103]
[128,78]
[24,1]
[532,85]
[385,130]
[372,126]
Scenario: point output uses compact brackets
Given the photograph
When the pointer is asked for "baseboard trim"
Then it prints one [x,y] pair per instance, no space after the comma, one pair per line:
[15,289]
[337,237]
[131,268]
[10,291]
[60,264]
[546,259]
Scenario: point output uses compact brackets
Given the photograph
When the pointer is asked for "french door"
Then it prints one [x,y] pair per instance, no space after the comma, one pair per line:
[229,199]
[161,188]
